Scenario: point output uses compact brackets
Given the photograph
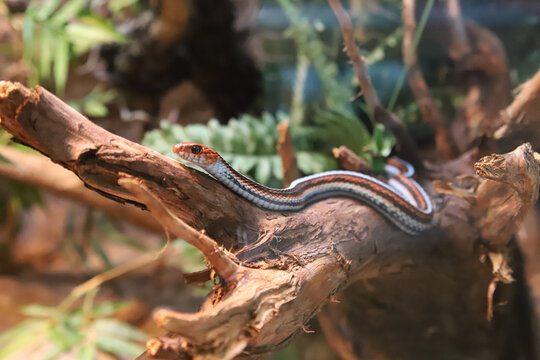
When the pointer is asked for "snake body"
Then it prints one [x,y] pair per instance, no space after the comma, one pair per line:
[402,200]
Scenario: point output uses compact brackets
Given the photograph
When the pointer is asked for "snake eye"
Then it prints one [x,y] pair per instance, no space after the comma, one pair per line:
[195,149]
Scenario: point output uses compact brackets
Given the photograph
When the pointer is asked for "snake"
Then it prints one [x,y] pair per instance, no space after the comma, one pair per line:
[401,200]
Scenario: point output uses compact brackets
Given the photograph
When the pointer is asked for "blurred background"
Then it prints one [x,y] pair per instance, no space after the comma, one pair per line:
[222,73]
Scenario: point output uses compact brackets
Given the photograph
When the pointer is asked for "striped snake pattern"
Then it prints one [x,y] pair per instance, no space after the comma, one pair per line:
[401,200]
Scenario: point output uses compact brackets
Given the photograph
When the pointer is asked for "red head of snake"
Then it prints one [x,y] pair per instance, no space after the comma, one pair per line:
[196,153]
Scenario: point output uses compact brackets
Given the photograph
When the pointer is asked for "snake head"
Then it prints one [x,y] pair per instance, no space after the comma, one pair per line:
[196,153]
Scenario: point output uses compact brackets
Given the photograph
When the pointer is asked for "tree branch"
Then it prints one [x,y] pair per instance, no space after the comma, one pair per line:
[429,110]
[43,122]
[283,267]
[405,144]
[520,121]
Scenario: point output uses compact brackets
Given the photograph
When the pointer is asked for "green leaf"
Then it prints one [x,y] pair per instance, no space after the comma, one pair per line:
[64,335]
[47,9]
[70,9]
[61,64]
[74,105]
[382,141]
[28,35]
[312,163]
[243,164]
[192,258]
[21,337]
[95,108]
[97,246]
[46,43]
[244,130]
[118,329]
[37,310]
[117,5]
[118,346]
[87,352]
[263,170]
[53,352]
[215,132]
[90,31]
[277,167]
[196,133]
[26,195]
[108,308]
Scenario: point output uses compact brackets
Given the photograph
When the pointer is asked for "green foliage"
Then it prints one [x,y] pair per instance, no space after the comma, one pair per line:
[412,51]
[192,258]
[378,53]
[247,143]
[380,147]
[23,195]
[340,127]
[193,261]
[334,123]
[14,196]
[95,102]
[304,32]
[54,32]
[82,332]
[116,6]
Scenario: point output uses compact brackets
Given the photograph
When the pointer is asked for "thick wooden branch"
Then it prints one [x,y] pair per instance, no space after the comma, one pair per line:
[277,270]
[40,120]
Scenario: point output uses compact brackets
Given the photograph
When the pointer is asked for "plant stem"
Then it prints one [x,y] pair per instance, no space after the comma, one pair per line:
[405,69]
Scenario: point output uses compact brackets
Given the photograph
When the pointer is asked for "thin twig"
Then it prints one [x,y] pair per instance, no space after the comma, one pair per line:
[350,161]
[357,61]
[418,34]
[113,273]
[405,144]
[429,110]
[223,261]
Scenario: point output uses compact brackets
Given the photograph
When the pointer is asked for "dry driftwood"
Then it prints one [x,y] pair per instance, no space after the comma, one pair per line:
[279,269]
